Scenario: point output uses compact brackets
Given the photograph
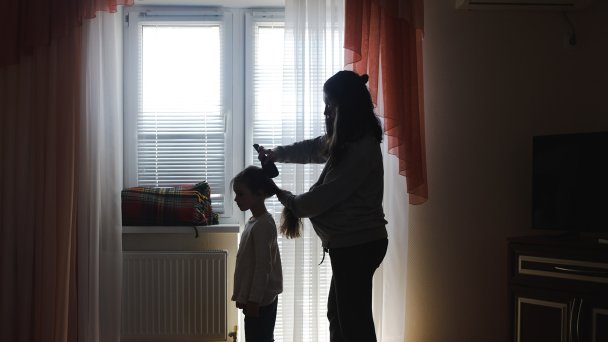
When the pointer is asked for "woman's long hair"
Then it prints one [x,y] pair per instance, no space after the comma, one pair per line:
[355,117]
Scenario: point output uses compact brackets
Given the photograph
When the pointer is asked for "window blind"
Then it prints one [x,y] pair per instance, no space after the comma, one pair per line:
[180,121]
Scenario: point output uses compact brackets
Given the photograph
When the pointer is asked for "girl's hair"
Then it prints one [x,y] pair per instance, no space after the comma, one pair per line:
[355,117]
[291,225]
[256,180]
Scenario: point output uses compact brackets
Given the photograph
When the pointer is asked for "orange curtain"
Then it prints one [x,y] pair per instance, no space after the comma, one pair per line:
[38,155]
[384,37]
[40,111]
[29,24]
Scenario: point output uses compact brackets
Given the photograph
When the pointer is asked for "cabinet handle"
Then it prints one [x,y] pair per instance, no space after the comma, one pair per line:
[574,270]
[578,319]
[570,319]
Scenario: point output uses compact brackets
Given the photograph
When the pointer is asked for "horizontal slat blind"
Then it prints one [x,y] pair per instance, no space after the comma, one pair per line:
[180,123]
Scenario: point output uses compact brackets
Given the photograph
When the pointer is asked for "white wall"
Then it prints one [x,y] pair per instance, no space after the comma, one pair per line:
[492,81]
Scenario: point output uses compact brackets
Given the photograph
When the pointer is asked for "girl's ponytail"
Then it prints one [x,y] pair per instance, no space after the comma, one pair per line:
[291,226]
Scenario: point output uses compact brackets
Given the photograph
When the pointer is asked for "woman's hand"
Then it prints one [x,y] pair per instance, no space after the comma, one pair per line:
[282,195]
[265,155]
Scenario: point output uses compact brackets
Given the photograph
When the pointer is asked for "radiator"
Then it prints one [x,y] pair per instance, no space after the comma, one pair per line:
[174,296]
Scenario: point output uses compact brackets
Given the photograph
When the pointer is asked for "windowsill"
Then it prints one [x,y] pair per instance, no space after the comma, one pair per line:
[216,228]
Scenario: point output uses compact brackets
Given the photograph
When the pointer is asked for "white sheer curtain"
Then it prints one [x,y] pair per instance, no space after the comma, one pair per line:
[100,179]
[390,279]
[314,32]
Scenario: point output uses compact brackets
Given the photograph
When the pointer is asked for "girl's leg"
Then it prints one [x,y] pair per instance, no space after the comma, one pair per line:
[261,328]
[349,306]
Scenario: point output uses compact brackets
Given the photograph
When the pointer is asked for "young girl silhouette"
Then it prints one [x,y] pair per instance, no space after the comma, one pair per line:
[258,278]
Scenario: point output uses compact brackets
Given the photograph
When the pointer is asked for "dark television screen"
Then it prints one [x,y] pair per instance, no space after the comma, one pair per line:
[570,182]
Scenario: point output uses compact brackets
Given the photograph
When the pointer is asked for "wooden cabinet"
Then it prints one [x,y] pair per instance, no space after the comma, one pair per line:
[558,289]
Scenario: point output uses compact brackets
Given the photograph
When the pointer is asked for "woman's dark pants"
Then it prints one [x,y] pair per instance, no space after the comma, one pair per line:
[349,306]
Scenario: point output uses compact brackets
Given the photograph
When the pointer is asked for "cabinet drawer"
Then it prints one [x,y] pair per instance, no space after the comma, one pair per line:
[580,270]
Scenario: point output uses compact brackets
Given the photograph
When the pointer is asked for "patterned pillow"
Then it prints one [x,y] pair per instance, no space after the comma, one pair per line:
[183,205]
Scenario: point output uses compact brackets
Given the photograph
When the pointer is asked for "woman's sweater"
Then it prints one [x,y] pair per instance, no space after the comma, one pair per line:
[345,204]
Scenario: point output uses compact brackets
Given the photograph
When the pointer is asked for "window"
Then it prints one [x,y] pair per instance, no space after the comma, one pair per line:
[178,101]
[200,86]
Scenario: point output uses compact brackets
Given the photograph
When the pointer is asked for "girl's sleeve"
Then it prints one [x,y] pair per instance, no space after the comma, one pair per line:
[341,181]
[302,152]
[263,237]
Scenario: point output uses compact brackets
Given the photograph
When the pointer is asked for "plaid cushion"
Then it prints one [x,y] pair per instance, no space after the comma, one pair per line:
[183,205]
